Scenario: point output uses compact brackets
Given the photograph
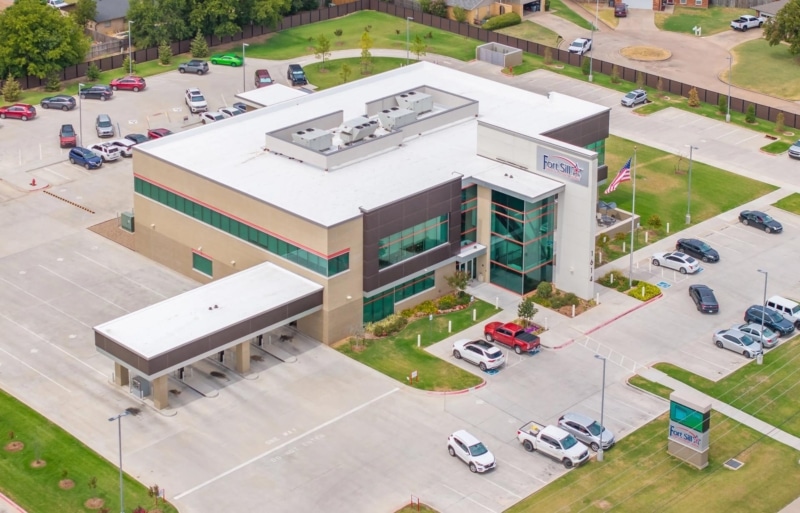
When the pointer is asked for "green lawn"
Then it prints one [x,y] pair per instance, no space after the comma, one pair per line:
[776,148]
[386,32]
[399,355]
[768,391]
[530,31]
[561,10]
[790,203]
[768,69]
[331,76]
[649,386]
[711,21]
[37,489]
[638,475]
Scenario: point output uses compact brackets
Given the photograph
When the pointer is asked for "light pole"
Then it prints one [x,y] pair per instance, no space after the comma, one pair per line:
[80,111]
[730,75]
[244,73]
[764,303]
[118,418]
[591,50]
[689,198]
[130,58]
[408,20]
[602,406]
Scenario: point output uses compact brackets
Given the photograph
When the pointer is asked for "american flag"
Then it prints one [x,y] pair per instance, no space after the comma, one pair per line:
[624,175]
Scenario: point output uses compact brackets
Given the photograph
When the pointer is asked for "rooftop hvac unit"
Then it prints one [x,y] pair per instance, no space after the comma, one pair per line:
[313,139]
[418,102]
[357,129]
[396,118]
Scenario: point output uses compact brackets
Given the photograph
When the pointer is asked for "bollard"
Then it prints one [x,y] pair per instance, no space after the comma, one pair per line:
[545,323]
[497,303]
[760,359]
[449,326]
[474,314]
[598,298]
[667,227]
[642,291]
[612,278]
[419,340]
[623,247]
[573,310]
[645,237]
[599,257]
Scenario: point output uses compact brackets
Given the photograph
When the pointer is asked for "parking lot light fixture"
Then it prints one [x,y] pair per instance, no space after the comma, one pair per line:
[130,58]
[118,418]
[591,50]
[730,75]
[244,73]
[80,111]
[689,198]
[602,407]
[408,20]
[763,304]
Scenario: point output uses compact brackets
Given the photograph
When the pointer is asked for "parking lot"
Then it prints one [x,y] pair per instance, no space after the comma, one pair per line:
[318,431]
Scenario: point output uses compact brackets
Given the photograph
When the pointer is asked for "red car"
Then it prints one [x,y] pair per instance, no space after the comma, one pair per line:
[21,111]
[158,133]
[67,137]
[511,335]
[129,83]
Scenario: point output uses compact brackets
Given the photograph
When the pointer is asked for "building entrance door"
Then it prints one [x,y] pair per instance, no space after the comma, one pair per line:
[470,268]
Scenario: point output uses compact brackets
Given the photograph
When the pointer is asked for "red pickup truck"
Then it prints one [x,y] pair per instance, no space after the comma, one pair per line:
[511,335]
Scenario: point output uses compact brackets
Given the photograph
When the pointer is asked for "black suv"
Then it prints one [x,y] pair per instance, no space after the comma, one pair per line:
[296,75]
[772,319]
[704,298]
[96,92]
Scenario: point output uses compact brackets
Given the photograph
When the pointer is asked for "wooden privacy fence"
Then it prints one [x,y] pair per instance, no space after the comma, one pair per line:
[791,119]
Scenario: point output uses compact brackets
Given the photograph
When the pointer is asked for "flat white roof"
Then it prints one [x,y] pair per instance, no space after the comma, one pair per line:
[187,317]
[272,94]
[232,153]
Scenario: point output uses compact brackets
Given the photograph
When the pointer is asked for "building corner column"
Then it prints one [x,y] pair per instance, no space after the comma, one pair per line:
[242,352]
[160,393]
[121,375]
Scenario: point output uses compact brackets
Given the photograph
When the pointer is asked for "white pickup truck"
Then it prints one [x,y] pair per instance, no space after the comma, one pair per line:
[554,442]
[580,46]
[747,22]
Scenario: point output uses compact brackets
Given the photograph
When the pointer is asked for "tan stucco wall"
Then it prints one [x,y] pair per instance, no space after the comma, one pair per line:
[484,231]
[169,237]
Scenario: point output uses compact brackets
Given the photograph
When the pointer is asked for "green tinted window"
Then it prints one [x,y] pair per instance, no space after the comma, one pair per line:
[202,264]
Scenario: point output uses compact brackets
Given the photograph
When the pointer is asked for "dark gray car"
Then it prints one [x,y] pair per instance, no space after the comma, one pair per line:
[194,66]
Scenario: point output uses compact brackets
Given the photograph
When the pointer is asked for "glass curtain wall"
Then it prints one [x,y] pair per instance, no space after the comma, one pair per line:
[522,242]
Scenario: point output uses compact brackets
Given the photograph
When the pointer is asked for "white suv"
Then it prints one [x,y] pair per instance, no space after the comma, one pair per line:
[480,353]
[471,451]
[195,100]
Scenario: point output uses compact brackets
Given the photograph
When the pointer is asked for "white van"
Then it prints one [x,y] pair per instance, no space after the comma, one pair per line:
[789,309]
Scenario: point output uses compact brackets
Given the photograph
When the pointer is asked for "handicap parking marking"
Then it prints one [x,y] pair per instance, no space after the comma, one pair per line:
[491,372]
[133,121]
[663,285]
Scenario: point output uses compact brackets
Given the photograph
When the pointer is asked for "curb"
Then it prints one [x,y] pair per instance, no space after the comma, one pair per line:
[562,346]
[623,314]
[11,503]
[457,392]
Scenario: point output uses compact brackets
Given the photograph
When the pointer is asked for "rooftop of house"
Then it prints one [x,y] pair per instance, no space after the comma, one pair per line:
[267,153]
[108,10]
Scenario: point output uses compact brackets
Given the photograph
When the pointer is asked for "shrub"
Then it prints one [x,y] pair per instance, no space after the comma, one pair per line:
[546,5]
[694,98]
[338,32]
[93,73]
[407,313]
[53,82]
[654,221]
[460,14]
[571,299]
[127,64]
[526,310]
[164,53]
[585,65]
[199,47]
[504,20]
[722,104]
[558,301]
[447,302]
[650,291]
[11,89]
[544,290]
[639,79]
[439,8]
[463,298]
[615,74]
[620,282]
[426,308]
[388,326]
[750,116]
[780,123]
[620,236]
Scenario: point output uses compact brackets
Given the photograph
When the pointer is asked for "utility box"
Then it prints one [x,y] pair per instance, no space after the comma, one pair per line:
[126,221]
[140,387]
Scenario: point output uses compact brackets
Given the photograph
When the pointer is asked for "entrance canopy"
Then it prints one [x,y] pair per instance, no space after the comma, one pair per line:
[178,331]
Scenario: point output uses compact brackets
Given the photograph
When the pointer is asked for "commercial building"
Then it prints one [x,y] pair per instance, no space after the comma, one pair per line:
[379,189]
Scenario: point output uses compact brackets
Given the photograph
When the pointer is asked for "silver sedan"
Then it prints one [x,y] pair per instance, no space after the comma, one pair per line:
[753,329]
[738,342]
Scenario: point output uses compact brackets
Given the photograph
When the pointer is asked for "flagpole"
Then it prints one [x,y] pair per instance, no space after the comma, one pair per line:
[633,218]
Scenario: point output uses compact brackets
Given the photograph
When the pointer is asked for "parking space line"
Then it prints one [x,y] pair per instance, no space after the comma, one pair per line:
[288,442]
[505,489]
[85,290]
[703,360]
[523,471]
[95,262]
[468,498]
[45,376]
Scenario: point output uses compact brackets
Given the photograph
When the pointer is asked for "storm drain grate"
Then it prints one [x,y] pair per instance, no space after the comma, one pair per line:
[734,464]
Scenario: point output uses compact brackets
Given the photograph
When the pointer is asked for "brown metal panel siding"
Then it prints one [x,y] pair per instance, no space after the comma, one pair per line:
[583,132]
[392,218]
[602,173]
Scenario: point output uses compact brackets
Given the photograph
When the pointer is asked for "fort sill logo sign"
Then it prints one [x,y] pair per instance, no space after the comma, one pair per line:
[572,169]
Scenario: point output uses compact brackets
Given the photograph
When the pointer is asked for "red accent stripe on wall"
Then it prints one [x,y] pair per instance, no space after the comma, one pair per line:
[243,221]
